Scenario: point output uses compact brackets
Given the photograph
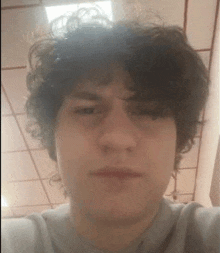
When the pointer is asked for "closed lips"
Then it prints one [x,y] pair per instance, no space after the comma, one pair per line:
[116,172]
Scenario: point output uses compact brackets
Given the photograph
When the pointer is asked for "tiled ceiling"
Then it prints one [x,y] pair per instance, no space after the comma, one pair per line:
[26,167]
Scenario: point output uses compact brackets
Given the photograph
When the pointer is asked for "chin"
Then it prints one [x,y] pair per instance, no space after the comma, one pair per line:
[118,216]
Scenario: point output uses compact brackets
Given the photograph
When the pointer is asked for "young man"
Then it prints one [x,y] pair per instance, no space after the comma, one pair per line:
[115,105]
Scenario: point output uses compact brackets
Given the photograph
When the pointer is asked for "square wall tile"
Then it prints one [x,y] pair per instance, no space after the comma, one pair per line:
[14,82]
[7,3]
[186,181]
[190,159]
[199,127]
[6,212]
[56,206]
[55,192]
[5,108]
[12,139]
[45,165]
[25,193]
[161,12]
[18,26]
[170,187]
[169,198]
[199,131]
[24,211]
[205,57]
[184,198]
[32,143]
[200,23]
[17,166]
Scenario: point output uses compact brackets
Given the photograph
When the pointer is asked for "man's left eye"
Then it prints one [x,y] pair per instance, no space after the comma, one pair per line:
[86,111]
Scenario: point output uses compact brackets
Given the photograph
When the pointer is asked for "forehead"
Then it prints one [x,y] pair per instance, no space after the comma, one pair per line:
[106,82]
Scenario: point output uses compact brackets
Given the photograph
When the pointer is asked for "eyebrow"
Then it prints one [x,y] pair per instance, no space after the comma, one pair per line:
[86,96]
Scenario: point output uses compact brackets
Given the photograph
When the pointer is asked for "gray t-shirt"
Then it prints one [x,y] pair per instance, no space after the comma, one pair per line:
[177,228]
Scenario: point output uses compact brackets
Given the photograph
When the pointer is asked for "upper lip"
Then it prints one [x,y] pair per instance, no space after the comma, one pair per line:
[117,171]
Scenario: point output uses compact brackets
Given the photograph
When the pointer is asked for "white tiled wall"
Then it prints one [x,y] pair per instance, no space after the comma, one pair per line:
[12,139]
[17,29]
[17,166]
[200,23]
[25,193]
[16,88]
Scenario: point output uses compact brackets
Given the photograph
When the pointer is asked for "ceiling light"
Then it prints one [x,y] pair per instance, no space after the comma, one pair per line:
[56,11]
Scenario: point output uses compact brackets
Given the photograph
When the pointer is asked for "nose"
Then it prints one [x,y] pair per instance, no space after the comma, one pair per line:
[118,133]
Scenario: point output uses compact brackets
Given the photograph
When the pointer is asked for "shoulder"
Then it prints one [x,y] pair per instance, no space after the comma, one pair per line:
[204,226]
[17,234]
[199,226]
[194,214]
[28,234]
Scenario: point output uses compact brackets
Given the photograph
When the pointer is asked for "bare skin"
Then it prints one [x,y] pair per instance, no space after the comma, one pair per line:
[93,134]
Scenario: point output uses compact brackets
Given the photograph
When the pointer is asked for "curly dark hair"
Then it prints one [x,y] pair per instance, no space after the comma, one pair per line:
[159,59]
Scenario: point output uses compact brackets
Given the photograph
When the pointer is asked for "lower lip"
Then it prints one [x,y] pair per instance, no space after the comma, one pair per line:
[115,183]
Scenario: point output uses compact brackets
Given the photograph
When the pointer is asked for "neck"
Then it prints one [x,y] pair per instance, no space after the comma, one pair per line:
[110,236]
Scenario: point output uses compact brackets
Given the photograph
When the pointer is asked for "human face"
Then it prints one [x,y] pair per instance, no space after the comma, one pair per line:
[107,133]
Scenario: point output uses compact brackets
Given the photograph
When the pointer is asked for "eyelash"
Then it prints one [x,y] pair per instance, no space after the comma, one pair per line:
[82,111]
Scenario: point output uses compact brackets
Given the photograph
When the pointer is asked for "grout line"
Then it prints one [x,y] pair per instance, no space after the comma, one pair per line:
[14,151]
[20,7]
[175,185]
[182,194]
[26,144]
[39,205]
[203,50]
[27,180]
[185,15]
[12,217]
[214,34]
[30,205]
[12,68]
[17,114]
[23,150]
[197,165]
[203,115]
[187,168]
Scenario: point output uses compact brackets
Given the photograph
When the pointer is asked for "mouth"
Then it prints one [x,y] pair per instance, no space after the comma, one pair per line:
[116,172]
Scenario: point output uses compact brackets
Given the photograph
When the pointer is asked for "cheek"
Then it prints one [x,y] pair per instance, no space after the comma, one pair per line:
[72,148]
[160,157]
[71,144]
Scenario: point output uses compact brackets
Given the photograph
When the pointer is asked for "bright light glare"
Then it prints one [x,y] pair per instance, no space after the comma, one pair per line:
[3,202]
[56,11]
